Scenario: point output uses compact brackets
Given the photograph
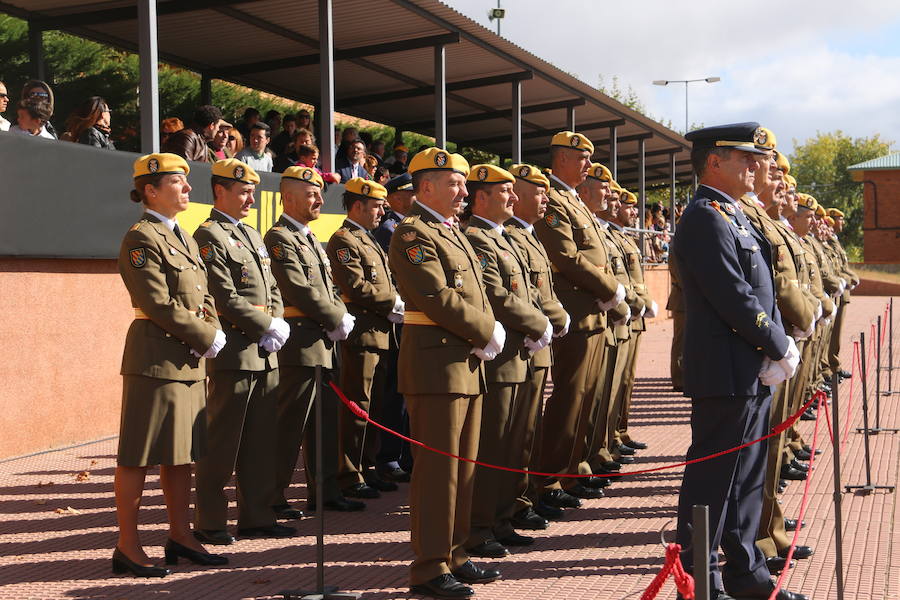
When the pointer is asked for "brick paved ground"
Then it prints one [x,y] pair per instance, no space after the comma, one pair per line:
[57,529]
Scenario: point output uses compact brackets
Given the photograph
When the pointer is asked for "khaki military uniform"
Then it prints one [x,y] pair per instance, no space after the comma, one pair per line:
[312,307]
[447,315]
[578,255]
[517,306]
[243,377]
[361,271]
[163,397]
[852,279]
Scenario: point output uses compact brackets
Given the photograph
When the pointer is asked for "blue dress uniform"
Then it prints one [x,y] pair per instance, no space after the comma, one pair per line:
[732,324]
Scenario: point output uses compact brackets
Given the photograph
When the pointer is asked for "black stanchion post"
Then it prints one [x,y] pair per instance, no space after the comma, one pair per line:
[890,367]
[700,543]
[838,518]
[878,394]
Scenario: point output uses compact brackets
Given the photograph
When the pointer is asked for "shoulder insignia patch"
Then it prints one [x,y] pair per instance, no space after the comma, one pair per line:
[343,255]
[207,252]
[552,219]
[207,223]
[279,252]
[482,259]
[416,254]
[762,320]
[138,257]
[408,236]
[408,219]
[136,226]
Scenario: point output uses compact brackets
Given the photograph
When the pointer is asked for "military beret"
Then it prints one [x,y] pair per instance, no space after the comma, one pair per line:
[490,174]
[363,187]
[161,163]
[820,210]
[790,180]
[437,159]
[628,197]
[835,212]
[400,148]
[765,139]
[304,174]
[614,186]
[806,201]
[782,162]
[740,136]
[232,168]
[531,174]
[830,221]
[598,171]
[400,183]
[570,139]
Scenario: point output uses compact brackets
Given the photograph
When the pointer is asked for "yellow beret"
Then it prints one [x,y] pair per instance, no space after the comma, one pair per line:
[598,171]
[614,186]
[764,138]
[160,164]
[628,197]
[304,174]
[490,174]
[437,159]
[364,187]
[232,168]
[569,139]
[790,180]
[820,210]
[830,221]
[531,174]
[806,201]
[835,212]
[782,162]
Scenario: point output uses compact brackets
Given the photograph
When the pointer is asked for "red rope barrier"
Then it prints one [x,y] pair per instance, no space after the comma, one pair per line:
[357,410]
[683,581]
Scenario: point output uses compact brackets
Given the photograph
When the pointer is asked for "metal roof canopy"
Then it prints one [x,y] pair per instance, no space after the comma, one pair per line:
[388,59]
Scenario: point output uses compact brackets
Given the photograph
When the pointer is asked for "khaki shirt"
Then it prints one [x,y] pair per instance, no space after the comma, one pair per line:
[166,280]
[619,264]
[636,275]
[246,294]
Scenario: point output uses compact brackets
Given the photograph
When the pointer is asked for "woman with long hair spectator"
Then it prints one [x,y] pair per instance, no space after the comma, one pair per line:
[235,141]
[168,127]
[35,89]
[90,124]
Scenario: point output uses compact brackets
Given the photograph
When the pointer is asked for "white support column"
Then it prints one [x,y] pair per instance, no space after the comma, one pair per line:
[614,151]
[517,121]
[148,96]
[570,118]
[325,108]
[642,188]
[440,96]
[672,193]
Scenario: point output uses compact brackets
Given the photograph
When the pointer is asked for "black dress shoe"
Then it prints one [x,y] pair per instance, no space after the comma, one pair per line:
[551,513]
[382,485]
[791,524]
[808,416]
[361,490]
[340,504]
[782,487]
[800,552]
[582,491]
[776,564]
[789,472]
[272,531]
[471,573]
[799,465]
[528,519]
[443,586]
[625,450]
[764,591]
[122,564]
[596,483]
[713,595]
[611,466]
[808,448]
[844,374]
[625,460]
[636,445]
[560,499]
[286,511]
[216,537]
[516,539]
[488,549]
[174,551]
[395,474]
[802,454]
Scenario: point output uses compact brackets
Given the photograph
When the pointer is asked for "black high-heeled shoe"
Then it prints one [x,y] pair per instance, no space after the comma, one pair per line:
[174,550]
[123,564]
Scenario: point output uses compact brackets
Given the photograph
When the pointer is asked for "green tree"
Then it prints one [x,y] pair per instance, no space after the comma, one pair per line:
[820,166]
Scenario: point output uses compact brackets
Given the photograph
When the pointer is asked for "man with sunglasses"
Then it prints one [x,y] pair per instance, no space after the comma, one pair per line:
[4,102]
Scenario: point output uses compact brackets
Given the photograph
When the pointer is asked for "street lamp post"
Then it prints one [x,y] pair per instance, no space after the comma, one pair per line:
[686,82]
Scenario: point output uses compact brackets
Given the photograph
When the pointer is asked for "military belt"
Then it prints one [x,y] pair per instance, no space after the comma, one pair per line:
[261,308]
[414,317]
[139,314]
[290,312]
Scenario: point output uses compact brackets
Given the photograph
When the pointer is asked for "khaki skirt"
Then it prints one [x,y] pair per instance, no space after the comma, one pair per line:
[163,421]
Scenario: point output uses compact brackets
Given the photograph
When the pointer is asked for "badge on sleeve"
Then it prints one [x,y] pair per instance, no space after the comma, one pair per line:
[482,259]
[729,208]
[343,255]
[207,252]
[416,254]
[762,320]
[279,252]
[552,219]
[138,257]
[408,236]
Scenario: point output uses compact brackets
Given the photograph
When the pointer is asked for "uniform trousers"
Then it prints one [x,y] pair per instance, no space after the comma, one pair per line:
[627,388]
[730,485]
[834,345]
[440,494]
[520,485]
[392,449]
[296,423]
[240,410]
[771,509]
[362,379]
[678,319]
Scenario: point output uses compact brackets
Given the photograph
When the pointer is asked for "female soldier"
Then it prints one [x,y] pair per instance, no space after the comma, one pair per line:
[163,397]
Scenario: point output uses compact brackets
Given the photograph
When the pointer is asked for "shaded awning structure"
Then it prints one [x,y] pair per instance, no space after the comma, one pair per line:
[416,65]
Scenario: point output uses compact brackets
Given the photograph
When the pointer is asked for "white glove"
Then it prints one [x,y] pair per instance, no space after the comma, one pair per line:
[800,334]
[343,329]
[618,297]
[624,320]
[565,328]
[826,321]
[494,346]
[790,360]
[217,345]
[834,309]
[396,314]
[535,346]
[643,310]
[771,373]
[279,330]
[653,310]
[818,312]
[270,344]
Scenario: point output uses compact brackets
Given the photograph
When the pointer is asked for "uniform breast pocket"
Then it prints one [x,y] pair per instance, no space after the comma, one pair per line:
[459,276]
[240,263]
[181,274]
[372,273]
[583,235]
[751,258]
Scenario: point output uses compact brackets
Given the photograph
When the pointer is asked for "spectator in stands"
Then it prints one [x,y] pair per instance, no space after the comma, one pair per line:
[679,209]
[366,137]
[308,156]
[371,163]
[32,116]
[168,127]
[235,141]
[304,119]
[90,124]
[219,143]
[376,149]
[251,116]
[190,144]
[4,102]
[281,141]
[255,153]
[288,158]
[397,163]
[304,137]
[381,174]
[35,89]
[356,162]
[273,120]
[342,156]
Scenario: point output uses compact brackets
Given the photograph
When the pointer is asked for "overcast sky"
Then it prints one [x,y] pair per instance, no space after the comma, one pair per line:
[797,67]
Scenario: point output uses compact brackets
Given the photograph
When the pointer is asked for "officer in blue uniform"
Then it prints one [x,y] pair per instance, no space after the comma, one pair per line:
[735,348]
[400,198]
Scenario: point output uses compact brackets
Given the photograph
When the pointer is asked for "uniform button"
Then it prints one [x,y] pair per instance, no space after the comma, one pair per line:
[199,287]
[443,340]
[575,287]
[194,268]
[168,335]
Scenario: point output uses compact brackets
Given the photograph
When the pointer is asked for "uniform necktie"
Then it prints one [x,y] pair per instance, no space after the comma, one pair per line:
[177,231]
[243,230]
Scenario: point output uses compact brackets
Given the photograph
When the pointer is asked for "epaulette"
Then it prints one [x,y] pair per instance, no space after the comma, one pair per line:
[207,223]
[137,225]
[341,230]
[277,228]
[410,219]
